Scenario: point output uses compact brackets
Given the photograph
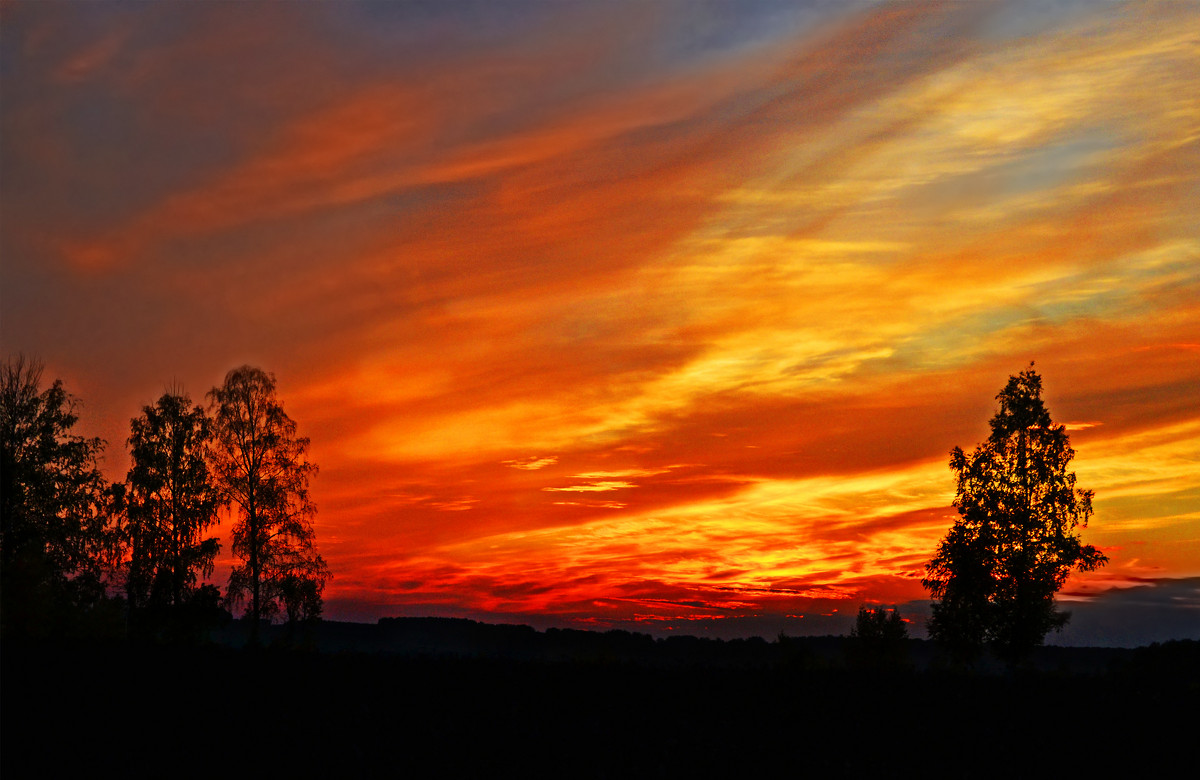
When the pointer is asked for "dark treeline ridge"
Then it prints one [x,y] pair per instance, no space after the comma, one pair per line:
[453,698]
[469,639]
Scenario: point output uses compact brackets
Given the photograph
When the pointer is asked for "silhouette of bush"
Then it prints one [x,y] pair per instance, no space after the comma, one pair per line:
[879,639]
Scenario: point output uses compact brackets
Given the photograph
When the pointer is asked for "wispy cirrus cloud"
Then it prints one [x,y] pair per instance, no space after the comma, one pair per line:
[532,464]
[600,486]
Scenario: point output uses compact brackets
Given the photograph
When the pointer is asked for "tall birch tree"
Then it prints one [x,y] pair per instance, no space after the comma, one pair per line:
[263,468]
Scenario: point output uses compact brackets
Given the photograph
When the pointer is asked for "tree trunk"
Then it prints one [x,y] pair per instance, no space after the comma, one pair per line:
[255,610]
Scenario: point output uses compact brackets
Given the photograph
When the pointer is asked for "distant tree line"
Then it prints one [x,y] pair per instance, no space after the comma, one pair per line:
[81,556]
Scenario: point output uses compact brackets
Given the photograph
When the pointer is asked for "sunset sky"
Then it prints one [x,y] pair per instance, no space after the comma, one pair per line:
[652,315]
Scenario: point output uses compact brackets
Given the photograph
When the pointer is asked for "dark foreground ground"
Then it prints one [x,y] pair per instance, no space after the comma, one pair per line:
[794,709]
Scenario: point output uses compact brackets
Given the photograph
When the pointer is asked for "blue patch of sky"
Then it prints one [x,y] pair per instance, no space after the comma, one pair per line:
[466,19]
[1014,19]
[714,29]
[1073,296]
[1110,290]
[1010,174]
[945,344]
[1049,166]
[684,32]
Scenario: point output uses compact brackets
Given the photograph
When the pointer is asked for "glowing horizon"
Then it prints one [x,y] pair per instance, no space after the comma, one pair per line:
[625,313]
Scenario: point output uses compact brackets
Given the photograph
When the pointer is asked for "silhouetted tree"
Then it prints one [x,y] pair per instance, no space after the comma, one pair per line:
[995,573]
[879,624]
[264,470]
[171,500]
[879,638]
[57,542]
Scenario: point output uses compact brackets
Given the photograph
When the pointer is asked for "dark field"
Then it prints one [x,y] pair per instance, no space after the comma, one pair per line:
[572,704]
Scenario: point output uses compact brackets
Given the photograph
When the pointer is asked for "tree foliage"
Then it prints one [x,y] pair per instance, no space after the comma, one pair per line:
[878,624]
[263,468]
[879,638]
[57,542]
[171,501]
[994,575]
